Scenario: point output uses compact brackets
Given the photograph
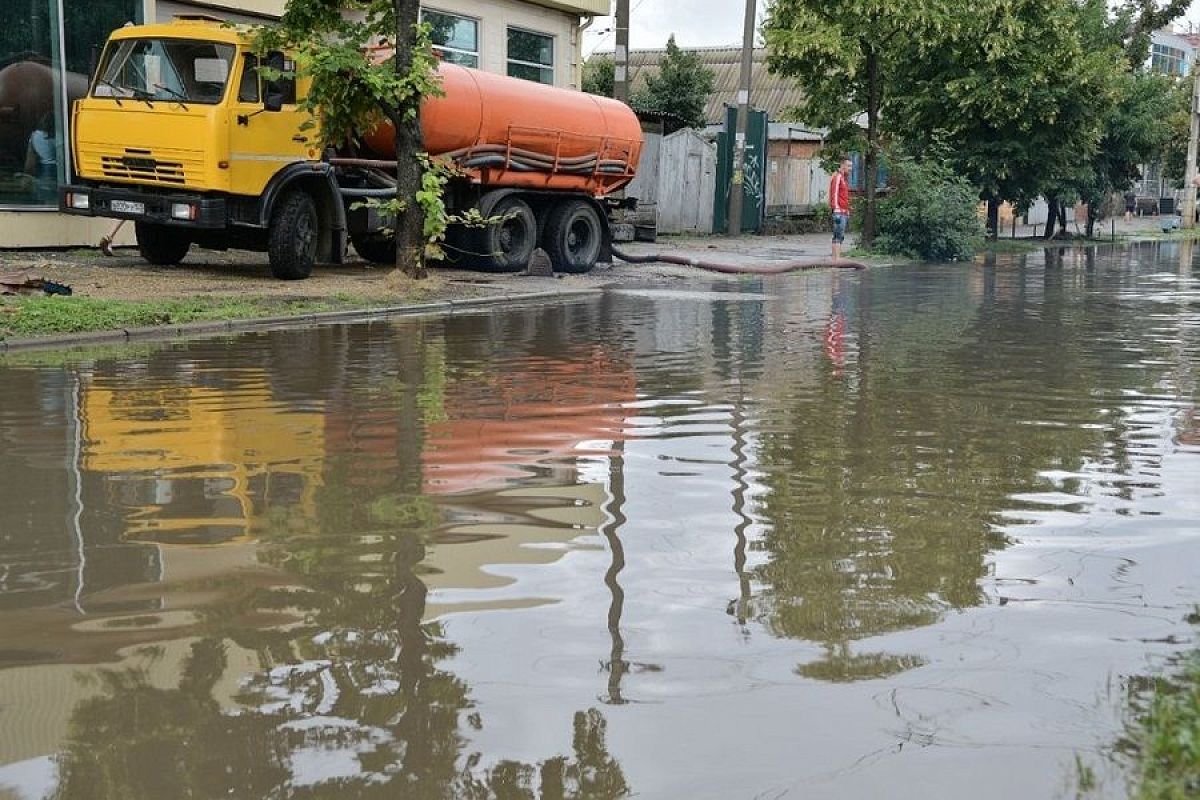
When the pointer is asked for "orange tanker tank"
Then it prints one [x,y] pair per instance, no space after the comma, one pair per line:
[508,132]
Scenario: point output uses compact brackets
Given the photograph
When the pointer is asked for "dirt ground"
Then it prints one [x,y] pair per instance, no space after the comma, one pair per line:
[217,274]
[206,273]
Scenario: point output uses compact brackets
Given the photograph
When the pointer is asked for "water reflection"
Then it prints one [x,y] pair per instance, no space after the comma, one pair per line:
[526,553]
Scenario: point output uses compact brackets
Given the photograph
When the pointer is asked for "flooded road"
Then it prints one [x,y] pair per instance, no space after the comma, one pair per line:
[901,533]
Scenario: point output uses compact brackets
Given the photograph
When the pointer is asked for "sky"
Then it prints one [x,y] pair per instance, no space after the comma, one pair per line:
[696,23]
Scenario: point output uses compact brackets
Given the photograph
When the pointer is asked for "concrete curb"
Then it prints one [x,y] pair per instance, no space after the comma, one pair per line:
[221,327]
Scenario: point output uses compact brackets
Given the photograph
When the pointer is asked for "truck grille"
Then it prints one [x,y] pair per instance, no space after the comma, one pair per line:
[162,166]
[143,167]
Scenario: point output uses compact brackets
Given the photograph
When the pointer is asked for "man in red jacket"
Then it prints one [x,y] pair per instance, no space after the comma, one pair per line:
[839,199]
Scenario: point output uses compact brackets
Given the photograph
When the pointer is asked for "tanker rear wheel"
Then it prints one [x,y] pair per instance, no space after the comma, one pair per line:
[573,236]
[506,246]
[375,248]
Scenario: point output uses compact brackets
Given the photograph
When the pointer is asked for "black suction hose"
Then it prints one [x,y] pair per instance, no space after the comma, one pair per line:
[772,268]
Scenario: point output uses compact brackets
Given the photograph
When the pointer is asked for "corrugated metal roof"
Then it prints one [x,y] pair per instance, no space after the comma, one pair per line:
[774,94]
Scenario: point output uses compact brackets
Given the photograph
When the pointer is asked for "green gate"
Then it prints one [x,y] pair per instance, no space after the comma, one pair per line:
[754,184]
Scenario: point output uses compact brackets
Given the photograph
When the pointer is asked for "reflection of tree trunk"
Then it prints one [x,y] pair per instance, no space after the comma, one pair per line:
[414,668]
[617,666]
[740,607]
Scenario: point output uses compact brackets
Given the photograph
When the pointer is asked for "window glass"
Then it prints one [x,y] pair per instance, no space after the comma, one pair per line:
[530,55]
[248,87]
[455,38]
[1168,60]
[35,90]
[165,69]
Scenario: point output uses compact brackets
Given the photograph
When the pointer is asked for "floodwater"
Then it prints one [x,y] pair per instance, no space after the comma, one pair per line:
[906,533]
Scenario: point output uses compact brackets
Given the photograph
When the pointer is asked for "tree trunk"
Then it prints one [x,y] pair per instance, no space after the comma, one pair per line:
[1062,218]
[871,179]
[1091,220]
[1051,216]
[993,216]
[410,223]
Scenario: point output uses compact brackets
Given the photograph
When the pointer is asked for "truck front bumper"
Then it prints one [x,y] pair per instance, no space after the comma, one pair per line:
[183,210]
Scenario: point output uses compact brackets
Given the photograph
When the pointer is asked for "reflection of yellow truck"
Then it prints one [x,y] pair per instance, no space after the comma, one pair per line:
[201,469]
[180,134]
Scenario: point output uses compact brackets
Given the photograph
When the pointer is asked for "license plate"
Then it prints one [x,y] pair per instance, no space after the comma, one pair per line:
[128,207]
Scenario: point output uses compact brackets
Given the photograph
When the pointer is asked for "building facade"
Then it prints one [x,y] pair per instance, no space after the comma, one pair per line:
[49,49]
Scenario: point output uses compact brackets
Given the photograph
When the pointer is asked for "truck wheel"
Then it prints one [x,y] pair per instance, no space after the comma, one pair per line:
[292,241]
[573,236]
[376,249]
[161,244]
[508,244]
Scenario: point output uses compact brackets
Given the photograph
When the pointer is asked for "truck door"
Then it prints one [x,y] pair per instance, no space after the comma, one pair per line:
[263,142]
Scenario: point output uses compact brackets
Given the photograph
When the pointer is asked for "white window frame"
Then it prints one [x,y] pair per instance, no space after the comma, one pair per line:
[456,50]
[1174,59]
[509,60]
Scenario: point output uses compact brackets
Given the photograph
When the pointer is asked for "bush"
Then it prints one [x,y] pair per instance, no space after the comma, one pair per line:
[930,214]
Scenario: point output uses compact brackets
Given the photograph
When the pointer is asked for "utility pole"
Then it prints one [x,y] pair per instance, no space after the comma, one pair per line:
[1188,212]
[621,56]
[738,180]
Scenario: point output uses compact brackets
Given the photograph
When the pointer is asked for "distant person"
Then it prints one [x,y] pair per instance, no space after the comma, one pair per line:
[839,200]
[1130,204]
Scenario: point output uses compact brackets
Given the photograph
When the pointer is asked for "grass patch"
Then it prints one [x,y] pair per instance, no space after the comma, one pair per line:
[22,317]
[858,253]
[1168,737]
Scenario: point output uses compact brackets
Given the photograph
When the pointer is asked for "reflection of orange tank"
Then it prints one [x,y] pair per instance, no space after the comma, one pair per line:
[538,413]
[494,428]
[483,120]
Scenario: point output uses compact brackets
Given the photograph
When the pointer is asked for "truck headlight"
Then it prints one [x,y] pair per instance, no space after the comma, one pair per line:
[79,201]
[183,211]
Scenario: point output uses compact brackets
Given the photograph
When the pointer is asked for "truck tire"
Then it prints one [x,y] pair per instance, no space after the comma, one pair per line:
[374,248]
[161,244]
[573,236]
[507,245]
[292,241]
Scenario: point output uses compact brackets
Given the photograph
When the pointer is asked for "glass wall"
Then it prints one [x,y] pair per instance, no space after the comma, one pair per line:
[37,38]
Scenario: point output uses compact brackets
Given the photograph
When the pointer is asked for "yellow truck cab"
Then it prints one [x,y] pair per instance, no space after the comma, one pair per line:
[181,134]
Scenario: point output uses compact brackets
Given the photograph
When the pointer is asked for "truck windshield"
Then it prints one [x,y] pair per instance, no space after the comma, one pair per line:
[179,70]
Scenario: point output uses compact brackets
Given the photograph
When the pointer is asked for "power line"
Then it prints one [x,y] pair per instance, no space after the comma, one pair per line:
[611,31]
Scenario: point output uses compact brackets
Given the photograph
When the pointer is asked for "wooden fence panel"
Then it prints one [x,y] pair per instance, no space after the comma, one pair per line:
[687,171]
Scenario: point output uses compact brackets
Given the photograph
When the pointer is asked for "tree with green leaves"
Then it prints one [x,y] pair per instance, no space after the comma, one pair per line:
[367,66]
[844,54]
[599,75]
[1015,96]
[680,89]
[1148,117]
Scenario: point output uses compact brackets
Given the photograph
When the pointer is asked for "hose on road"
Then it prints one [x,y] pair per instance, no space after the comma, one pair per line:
[772,268]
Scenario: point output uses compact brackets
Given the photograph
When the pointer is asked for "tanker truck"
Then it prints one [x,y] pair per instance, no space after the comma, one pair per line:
[180,133]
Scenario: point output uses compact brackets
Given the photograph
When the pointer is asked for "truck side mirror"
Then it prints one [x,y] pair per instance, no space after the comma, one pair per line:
[273,89]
